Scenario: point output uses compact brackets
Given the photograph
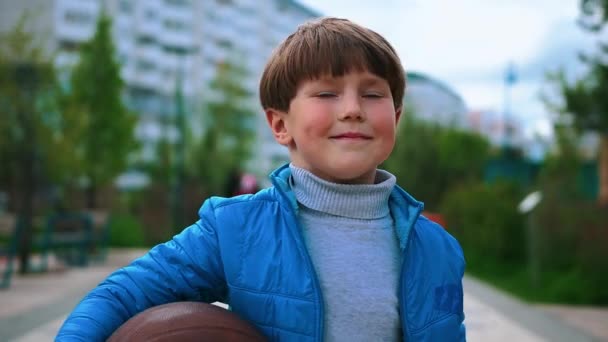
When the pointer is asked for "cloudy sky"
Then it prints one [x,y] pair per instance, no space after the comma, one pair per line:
[467,44]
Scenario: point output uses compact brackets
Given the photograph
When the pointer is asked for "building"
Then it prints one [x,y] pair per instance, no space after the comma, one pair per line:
[431,100]
[159,40]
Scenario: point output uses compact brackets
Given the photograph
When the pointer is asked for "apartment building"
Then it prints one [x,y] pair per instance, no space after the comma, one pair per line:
[159,42]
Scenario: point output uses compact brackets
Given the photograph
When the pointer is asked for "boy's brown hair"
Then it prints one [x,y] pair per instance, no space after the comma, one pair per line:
[328,46]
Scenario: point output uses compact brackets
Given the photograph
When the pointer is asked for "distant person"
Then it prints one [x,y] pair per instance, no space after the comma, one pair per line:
[334,250]
[233,182]
[247,184]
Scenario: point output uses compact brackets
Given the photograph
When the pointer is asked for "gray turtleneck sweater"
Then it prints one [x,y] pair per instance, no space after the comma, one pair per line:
[349,233]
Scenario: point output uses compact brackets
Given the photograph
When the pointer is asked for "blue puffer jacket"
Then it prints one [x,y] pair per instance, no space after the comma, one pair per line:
[248,251]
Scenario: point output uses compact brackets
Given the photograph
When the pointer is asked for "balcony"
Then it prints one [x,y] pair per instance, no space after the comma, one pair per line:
[177,40]
[149,52]
[148,19]
[148,78]
[75,20]
[173,62]
[182,13]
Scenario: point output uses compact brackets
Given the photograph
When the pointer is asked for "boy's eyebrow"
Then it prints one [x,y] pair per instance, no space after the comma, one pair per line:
[326,79]
[367,80]
[373,80]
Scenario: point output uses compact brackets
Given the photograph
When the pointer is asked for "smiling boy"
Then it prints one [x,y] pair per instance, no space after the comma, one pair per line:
[335,250]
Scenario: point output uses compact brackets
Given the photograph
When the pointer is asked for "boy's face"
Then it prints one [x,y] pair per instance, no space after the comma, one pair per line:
[339,128]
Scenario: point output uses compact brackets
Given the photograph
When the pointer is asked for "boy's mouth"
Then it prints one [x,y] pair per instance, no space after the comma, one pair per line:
[351,135]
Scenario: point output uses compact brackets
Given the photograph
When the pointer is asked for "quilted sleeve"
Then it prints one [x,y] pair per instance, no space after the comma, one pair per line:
[188,267]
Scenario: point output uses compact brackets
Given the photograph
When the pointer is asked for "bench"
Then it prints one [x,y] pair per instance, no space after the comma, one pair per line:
[101,235]
[76,239]
[69,236]
[8,248]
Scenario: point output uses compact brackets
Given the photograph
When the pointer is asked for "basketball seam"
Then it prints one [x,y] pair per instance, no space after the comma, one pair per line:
[210,328]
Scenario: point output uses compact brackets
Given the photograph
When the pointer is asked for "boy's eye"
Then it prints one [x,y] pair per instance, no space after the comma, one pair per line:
[326,94]
[373,95]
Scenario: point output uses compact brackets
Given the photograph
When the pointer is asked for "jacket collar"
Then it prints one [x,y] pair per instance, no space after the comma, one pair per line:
[404,208]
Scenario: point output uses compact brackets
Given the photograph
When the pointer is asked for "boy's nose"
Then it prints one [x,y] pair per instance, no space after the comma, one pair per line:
[352,109]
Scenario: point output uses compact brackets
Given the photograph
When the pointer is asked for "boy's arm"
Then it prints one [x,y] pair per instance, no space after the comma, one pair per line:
[186,268]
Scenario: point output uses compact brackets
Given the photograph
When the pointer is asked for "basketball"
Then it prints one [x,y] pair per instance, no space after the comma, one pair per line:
[186,322]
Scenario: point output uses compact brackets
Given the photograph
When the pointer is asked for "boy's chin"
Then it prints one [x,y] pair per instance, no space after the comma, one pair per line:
[350,176]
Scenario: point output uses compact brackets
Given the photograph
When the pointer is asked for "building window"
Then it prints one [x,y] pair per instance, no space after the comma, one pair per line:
[175,50]
[150,14]
[123,59]
[176,25]
[76,17]
[125,6]
[144,65]
[181,3]
[69,46]
[224,43]
[146,40]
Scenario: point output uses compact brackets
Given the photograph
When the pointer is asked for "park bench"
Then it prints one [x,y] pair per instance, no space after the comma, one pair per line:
[8,248]
[76,239]
[69,236]
[101,235]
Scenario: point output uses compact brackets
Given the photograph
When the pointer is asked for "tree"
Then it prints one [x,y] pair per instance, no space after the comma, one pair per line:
[229,130]
[36,133]
[585,100]
[96,91]
[429,159]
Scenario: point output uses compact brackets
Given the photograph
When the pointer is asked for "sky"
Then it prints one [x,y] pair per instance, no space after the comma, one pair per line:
[467,44]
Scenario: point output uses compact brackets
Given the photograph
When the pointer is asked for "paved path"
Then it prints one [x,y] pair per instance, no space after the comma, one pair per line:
[35,306]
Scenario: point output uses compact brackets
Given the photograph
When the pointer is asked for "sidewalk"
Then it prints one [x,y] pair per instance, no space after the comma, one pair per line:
[492,315]
[35,306]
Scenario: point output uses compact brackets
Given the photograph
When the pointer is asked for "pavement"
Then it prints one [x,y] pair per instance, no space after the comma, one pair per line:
[35,306]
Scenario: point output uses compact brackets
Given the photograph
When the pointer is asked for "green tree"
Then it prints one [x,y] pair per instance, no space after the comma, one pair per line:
[229,130]
[585,99]
[96,91]
[428,159]
[36,133]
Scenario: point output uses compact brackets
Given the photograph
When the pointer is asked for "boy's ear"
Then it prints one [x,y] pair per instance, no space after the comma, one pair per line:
[398,112]
[277,122]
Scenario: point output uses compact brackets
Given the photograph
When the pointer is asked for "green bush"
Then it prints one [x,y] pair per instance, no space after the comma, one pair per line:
[126,231]
[450,157]
[573,236]
[484,218]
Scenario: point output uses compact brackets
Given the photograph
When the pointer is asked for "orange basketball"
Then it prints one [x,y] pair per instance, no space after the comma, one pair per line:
[185,322]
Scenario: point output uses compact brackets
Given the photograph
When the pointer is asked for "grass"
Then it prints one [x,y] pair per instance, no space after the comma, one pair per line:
[568,286]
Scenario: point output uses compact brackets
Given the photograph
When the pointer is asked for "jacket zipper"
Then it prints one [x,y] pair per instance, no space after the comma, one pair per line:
[402,301]
[317,287]
[299,241]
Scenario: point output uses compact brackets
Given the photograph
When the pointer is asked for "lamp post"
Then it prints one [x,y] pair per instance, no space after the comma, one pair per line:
[180,151]
[526,206]
[509,80]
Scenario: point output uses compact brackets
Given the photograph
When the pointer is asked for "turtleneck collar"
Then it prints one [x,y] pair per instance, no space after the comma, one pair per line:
[360,201]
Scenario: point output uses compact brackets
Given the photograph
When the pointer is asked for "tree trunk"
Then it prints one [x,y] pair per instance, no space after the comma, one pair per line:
[91,194]
[27,179]
[26,211]
[603,171]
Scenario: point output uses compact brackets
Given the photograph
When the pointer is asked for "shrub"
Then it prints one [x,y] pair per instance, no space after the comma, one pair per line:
[484,218]
[573,236]
[126,231]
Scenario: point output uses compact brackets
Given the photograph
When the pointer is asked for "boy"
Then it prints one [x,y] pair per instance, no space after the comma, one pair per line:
[334,251]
